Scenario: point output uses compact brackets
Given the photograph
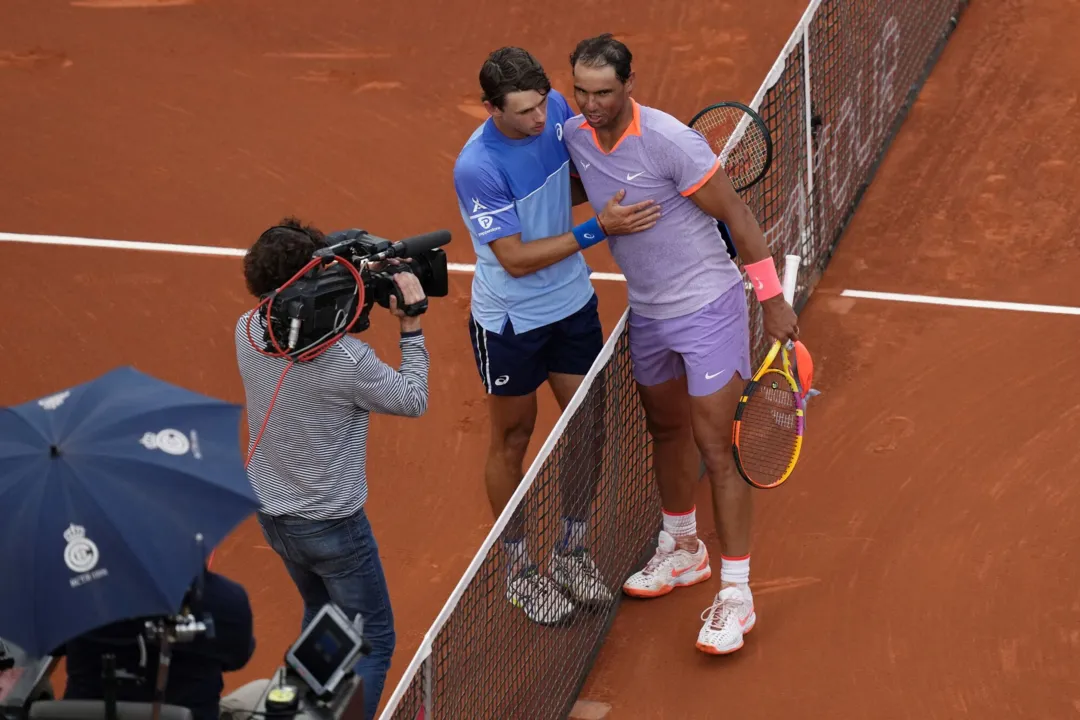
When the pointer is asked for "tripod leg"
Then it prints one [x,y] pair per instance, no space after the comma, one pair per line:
[162,675]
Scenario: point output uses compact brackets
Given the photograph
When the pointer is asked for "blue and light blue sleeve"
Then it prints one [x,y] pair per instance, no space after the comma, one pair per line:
[487,202]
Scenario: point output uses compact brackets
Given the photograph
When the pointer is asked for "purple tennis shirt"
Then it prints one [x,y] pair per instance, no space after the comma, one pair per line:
[681,264]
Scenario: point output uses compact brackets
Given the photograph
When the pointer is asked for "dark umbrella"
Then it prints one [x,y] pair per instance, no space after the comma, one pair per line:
[111,494]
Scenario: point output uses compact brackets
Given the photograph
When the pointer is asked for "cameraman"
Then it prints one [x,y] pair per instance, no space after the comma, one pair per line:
[309,468]
[196,671]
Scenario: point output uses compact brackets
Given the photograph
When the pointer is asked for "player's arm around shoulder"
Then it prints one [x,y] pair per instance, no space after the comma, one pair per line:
[491,211]
[493,220]
[523,258]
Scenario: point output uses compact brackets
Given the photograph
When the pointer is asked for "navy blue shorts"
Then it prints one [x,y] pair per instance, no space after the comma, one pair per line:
[511,364]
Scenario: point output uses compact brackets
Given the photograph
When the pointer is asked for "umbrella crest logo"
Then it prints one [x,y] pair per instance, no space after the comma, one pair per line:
[81,554]
[168,441]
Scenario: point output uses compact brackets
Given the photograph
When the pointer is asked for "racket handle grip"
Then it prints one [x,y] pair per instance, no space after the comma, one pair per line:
[791,277]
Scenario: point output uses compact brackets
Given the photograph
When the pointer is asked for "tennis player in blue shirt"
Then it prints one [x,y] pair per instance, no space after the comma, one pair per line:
[534,311]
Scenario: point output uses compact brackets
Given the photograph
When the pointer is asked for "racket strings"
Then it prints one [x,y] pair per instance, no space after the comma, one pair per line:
[768,432]
[740,143]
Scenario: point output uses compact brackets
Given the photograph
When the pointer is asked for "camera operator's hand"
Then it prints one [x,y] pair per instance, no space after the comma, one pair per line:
[412,292]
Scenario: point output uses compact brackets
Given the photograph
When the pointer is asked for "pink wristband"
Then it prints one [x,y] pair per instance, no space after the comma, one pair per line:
[764,278]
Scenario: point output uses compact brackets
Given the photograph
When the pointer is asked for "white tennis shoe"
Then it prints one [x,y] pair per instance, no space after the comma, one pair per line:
[670,567]
[727,620]
[539,597]
[578,575]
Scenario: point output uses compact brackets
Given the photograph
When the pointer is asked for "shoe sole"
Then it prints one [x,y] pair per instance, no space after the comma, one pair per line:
[713,650]
[685,580]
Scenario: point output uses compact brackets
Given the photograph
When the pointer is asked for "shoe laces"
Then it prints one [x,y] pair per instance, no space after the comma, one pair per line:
[530,577]
[541,585]
[726,604]
[579,566]
[590,574]
[658,559]
[584,562]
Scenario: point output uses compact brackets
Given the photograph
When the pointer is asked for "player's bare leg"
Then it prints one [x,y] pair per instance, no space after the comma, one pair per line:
[572,564]
[732,613]
[712,418]
[681,558]
[667,416]
[512,421]
[578,483]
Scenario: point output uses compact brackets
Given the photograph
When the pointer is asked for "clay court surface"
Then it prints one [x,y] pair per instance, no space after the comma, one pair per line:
[922,563]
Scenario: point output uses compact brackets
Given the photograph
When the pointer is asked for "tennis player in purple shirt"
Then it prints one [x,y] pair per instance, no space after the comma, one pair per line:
[688,323]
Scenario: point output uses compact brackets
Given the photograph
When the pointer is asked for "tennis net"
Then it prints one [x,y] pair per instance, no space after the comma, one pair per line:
[833,101]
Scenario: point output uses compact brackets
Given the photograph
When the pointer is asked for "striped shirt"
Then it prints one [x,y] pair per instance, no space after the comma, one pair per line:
[311,461]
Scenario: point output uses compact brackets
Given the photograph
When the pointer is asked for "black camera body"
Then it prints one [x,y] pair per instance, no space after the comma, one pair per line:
[322,302]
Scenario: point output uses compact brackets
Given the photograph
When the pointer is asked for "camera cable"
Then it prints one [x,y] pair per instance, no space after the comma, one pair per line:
[313,351]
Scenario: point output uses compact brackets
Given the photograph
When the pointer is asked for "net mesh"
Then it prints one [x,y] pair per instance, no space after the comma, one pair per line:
[489,660]
[832,102]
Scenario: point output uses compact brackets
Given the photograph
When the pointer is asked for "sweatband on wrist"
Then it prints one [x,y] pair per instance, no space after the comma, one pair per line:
[588,233]
[763,277]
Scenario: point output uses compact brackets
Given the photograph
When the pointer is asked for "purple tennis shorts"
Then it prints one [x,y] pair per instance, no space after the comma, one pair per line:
[707,346]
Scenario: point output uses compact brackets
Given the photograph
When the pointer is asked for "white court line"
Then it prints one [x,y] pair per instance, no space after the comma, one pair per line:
[206,250]
[120,244]
[962,302]
[209,250]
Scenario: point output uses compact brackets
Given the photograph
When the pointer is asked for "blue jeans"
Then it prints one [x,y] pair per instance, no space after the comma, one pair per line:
[338,561]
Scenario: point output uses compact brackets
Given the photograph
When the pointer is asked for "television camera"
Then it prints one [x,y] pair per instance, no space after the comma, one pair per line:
[335,292]
[317,680]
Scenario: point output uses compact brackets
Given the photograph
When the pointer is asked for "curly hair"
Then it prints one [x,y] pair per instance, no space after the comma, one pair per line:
[278,254]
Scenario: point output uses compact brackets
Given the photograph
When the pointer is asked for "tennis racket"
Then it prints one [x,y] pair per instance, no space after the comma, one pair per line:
[769,419]
[740,139]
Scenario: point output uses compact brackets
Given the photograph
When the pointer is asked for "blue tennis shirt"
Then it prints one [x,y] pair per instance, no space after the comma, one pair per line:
[507,186]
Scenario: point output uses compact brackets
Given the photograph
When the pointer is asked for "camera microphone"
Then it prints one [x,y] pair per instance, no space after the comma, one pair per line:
[417,245]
